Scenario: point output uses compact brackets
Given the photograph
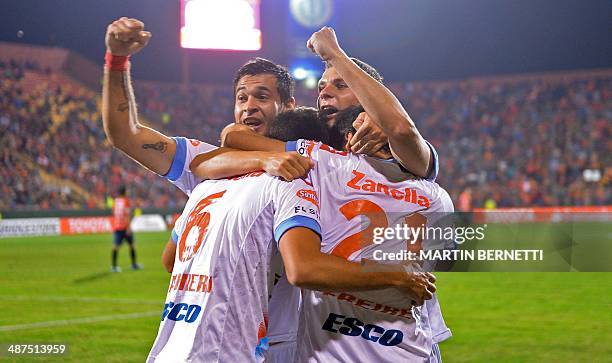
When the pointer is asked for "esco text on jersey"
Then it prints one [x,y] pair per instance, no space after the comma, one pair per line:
[181,312]
[354,327]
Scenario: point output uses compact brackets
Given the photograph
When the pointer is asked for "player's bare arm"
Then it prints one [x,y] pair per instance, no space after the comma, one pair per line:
[168,255]
[154,150]
[217,165]
[242,137]
[307,267]
[383,108]
[265,154]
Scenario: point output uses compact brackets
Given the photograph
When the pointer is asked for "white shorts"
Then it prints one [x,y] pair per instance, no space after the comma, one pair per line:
[283,352]
[435,356]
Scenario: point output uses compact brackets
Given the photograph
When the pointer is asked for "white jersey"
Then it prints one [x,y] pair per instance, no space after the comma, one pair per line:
[186,150]
[286,298]
[378,325]
[217,303]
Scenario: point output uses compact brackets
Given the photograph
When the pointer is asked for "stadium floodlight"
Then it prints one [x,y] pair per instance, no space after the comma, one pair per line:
[311,82]
[300,73]
[220,24]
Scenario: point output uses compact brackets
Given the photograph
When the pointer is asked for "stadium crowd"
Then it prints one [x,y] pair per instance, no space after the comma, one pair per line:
[538,142]
[197,111]
[54,127]
[506,143]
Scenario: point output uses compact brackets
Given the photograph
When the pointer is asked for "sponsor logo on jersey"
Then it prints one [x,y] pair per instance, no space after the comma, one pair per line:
[408,195]
[370,305]
[195,143]
[191,282]
[305,147]
[309,195]
[181,312]
[354,327]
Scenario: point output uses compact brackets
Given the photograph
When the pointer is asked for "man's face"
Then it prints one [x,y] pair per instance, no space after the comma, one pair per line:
[257,102]
[334,95]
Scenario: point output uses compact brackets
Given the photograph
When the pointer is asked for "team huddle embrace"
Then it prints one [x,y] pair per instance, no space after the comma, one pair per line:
[272,257]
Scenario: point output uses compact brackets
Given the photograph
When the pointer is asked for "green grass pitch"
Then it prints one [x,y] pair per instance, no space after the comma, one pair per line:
[59,289]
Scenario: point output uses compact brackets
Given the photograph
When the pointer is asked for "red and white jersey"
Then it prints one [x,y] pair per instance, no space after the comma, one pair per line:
[217,303]
[121,214]
[357,195]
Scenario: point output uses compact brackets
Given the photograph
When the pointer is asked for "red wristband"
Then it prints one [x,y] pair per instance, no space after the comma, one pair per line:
[116,62]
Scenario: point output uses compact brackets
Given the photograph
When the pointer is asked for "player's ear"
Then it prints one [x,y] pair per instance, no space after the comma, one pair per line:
[347,144]
[290,104]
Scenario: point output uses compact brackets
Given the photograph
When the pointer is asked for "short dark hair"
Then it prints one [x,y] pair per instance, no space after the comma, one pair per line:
[344,126]
[365,67]
[284,82]
[122,190]
[299,123]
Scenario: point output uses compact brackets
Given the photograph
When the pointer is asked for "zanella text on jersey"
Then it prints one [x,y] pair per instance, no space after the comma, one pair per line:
[367,185]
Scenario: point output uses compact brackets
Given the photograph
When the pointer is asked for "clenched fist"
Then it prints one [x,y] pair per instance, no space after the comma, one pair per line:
[324,44]
[126,37]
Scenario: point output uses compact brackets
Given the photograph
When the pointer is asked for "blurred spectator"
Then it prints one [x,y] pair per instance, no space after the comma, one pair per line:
[502,143]
[525,143]
[54,128]
[465,201]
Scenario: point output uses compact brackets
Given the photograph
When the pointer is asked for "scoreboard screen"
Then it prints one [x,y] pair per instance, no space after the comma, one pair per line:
[220,24]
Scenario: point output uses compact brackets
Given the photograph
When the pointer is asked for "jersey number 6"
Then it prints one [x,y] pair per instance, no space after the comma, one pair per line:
[200,219]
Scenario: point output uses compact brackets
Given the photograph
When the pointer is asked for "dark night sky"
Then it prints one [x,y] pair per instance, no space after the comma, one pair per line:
[404,39]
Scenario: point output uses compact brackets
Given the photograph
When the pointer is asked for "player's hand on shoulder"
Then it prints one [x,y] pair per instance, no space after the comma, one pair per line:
[287,165]
[369,138]
[324,43]
[126,36]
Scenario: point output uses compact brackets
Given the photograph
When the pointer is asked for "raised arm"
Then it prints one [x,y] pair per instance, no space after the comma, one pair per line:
[407,144]
[145,145]
[307,267]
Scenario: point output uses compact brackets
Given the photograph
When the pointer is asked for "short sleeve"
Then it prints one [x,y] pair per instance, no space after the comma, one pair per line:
[436,166]
[179,173]
[296,205]
[174,236]
[306,148]
[291,145]
[179,226]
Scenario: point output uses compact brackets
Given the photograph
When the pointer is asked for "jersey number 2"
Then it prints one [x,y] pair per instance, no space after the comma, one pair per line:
[377,219]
